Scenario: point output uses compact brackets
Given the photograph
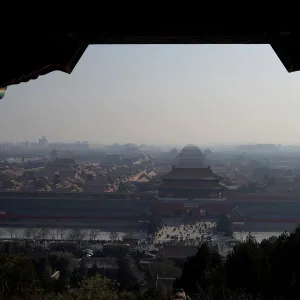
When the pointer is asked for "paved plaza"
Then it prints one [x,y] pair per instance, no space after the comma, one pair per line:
[184,232]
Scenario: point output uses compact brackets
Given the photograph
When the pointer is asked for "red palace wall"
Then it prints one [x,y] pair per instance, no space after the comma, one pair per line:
[268,220]
[208,207]
[101,218]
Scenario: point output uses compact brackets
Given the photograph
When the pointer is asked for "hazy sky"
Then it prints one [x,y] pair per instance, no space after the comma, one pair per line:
[160,94]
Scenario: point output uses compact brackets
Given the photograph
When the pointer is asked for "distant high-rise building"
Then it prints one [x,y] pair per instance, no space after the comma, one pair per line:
[7,147]
[77,146]
[43,142]
[259,148]
[53,155]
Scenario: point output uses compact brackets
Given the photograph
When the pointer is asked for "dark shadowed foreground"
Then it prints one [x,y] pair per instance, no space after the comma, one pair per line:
[266,270]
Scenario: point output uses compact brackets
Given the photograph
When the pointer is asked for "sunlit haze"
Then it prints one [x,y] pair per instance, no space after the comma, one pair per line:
[162,94]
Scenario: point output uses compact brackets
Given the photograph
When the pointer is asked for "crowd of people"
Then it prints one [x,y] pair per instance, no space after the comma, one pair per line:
[187,232]
[184,232]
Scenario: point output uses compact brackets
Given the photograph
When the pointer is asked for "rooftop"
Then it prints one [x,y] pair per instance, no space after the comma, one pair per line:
[190,157]
[64,161]
[61,51]
[192,186]
[191,174]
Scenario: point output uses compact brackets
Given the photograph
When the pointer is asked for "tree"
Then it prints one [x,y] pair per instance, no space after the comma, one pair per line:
[17,277]
[125,276]
[36,233]
[225,225]
[12,232]
[56,178]
[245,256]
[197,269]
[89,177]
[79,274]
[77,235]
[262,271]
[95,288]
[113,236]
[43,270]
[44,233]
[28,233]
[164,268]
[93,271]
[93,234]
[123,187]
[61,232]
[61,262]
[268,270]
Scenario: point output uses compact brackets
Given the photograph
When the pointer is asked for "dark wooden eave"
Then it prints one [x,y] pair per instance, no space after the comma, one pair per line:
[170,185]
[29,55]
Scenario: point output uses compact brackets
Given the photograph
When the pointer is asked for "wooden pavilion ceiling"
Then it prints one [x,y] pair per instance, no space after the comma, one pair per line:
[30,56]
